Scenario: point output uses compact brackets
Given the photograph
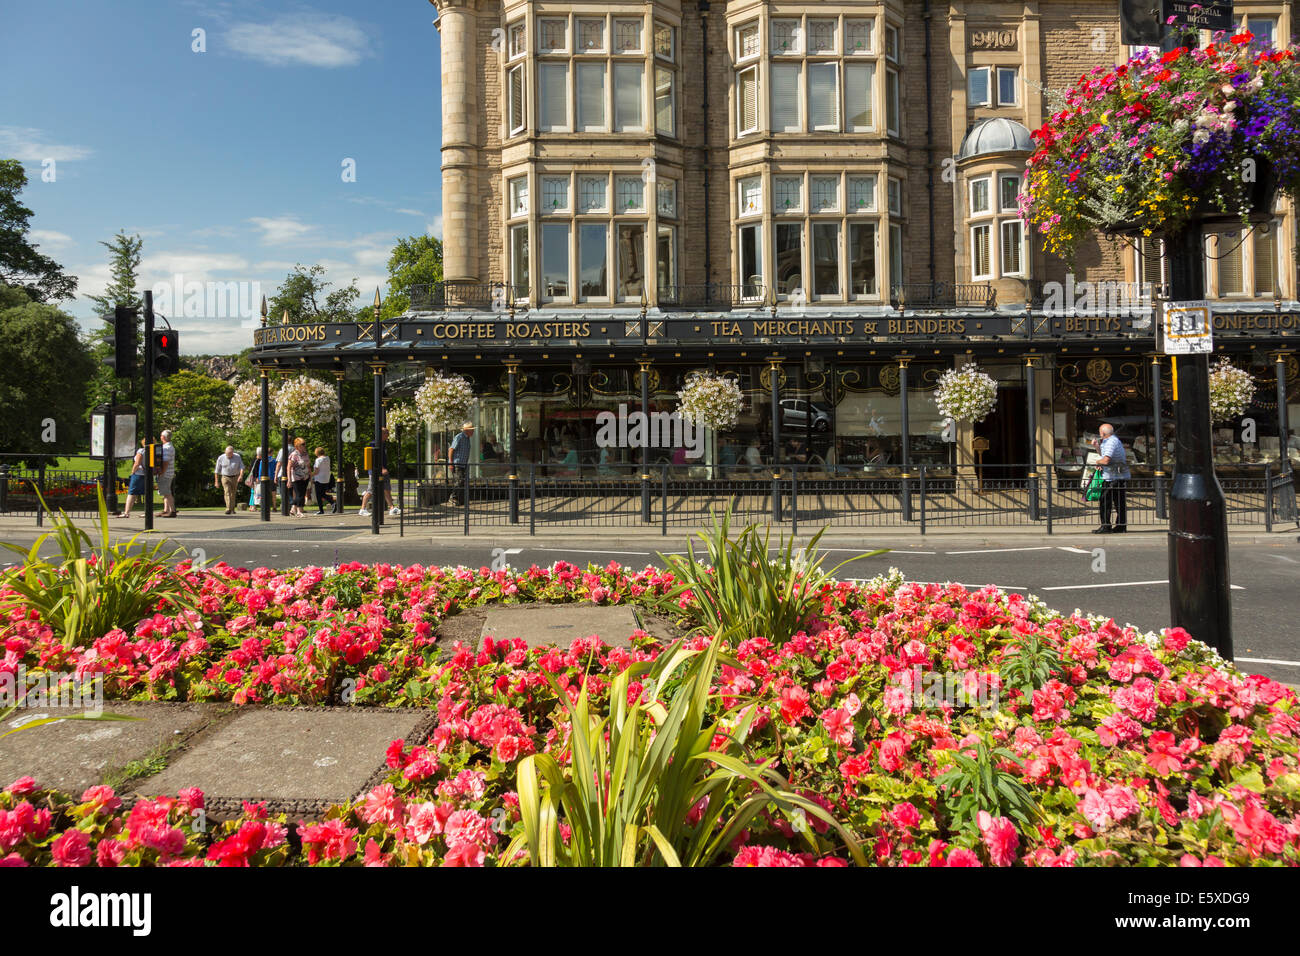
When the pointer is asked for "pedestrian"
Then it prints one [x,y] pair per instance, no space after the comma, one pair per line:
[299,473]
[254,480]
[226,475]
[135,484]
[167,475]
[320,476]
[1113,462]
[381,464]
[459,456]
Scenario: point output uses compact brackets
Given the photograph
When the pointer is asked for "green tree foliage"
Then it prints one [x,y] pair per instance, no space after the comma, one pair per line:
[124,268]
[305,297]
[43,376]
[416,260]
[188,394]
[20,264]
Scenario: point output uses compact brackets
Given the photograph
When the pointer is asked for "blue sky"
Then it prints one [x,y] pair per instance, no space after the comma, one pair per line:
[229,163]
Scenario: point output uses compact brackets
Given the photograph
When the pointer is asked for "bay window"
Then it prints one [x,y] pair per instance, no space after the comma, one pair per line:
[826,259]
[747,101]
[785,98]
[553,97]
[981,255]
[519,277]
[515,95]
[859,91]
[555,260]
[628,97]
[593,260]
[862,259]
[751,196]
[1012,242]
[666,262]
[789,258]
[823,96]
[591,97]
[751,261]
[665,102]
[631,261]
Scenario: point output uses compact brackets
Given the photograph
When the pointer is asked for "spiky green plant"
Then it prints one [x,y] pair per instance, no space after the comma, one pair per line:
[636,774]
[738,582]
[90,588]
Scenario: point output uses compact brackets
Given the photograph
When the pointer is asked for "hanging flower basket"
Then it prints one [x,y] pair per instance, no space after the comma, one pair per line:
[303,402]
[444,401]
[246,405]
[1231,391]
[711,401]
[1150,145]
[966,395]
[403,416]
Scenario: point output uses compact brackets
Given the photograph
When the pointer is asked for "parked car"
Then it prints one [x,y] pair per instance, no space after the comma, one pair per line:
[795,413]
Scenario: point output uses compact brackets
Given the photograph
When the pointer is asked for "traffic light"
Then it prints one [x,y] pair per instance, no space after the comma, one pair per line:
[166,353]
[124,342]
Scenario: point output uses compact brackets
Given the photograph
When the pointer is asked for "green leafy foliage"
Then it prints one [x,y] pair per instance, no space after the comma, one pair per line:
[92,588]
[979,783]
[738,582]
[1027,665]
[637,773]
[20,264]
[42,380]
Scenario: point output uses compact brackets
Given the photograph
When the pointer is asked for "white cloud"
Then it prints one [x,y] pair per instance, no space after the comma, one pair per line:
[435,227]
[195,266]
[30,145]
[50,239]
[410,212]
[303,39]
[280,229]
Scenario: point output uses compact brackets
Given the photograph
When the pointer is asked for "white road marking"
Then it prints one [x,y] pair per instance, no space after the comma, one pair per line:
[971,587]
[1000,550]
[1074,550]
[591,551]
[859,551]
[1117,584]
[1267,660]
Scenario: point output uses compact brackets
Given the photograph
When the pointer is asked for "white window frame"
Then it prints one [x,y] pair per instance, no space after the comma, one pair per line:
[542,24]
[514,230]
[870,68]
[849,226]
[516,39]
[568,68]
[868,49]
[834,48]
[616,40]
[625,186]
[517,99]
[836,112]
[565,180]
[894,100]
[738,37]
[872,200]
[621,127]
[672,99]
[986,182]
[741,128]
[580,119]
[671,56]
[813,183]
[893,43]
[758,231]
[584,209]
[666,187]
[752,204]
[785,68]
[796,37]
[1015,85]
[895,197]
[603,46]
[972,97]
[1009,177]
[1003,246]
[987,228]
[517,190]
[780,182]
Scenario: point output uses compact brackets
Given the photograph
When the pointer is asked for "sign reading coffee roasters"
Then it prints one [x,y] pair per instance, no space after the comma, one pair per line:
[758,329]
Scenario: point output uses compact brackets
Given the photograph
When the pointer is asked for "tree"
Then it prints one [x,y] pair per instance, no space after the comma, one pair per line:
[188,395]
[416,260]
[20,264]
[42,380]
[124,266]
[304,296]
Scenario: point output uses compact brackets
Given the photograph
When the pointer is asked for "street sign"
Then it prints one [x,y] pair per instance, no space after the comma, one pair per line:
[1187,328]
[1207,15]
[124,424]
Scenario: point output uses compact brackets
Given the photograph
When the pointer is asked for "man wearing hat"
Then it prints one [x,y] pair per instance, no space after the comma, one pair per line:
[459,457]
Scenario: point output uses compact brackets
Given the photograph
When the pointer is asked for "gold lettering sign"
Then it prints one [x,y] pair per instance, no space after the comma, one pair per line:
[926,327]
[1261,322]
[993,40]
[288,334]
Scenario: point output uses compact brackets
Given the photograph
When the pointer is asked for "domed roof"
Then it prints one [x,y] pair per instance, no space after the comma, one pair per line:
[997,135]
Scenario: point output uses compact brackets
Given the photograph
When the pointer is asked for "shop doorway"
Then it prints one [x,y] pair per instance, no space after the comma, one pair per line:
[1007,431]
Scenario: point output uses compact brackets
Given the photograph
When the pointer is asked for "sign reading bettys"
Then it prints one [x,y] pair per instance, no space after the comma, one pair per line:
[1206,15]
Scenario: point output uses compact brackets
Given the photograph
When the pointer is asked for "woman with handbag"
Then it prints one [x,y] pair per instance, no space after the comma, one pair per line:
[299,473]
[135,485]
[254,481]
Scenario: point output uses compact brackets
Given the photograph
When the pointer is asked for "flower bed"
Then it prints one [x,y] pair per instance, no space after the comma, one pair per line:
[1101,745]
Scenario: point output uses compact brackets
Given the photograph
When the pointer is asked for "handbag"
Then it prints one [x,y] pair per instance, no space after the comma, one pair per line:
[1095,487]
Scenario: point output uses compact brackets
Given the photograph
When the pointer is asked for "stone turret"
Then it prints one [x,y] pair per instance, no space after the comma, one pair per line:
[461,85]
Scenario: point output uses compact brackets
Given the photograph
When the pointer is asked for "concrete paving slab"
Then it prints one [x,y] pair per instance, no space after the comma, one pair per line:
[300,760]
[559,624]
[72,755]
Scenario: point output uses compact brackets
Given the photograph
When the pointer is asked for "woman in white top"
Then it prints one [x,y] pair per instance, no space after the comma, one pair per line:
[320,476]
[135,484]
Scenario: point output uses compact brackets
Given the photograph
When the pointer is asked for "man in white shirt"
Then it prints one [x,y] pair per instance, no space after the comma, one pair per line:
[227,474]
[1115,474]
[167,475]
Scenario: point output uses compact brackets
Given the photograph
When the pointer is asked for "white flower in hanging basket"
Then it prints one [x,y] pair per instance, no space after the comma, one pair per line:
[303,402]
[1231,391]
[444,401]
[246,405]
[966,395]
[710,401]
[403,415]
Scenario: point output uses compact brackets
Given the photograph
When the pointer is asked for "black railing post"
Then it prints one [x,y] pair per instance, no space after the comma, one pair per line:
[512,370]
[1031,397]
[401,498]
[1051,479]
[663,500]
[1158,483]
[921,469]
[645,444]
[776,497]
[340,483]
[905,489]
[1268,499]
[794,499]
[40,485]
[265,481]
[532,499]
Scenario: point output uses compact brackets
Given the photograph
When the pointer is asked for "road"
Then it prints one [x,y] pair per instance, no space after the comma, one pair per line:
[1125,579]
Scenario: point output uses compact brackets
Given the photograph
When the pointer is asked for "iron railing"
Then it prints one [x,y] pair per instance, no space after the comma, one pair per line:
[944,295]
[458,294]
[712,296]
[925,496]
